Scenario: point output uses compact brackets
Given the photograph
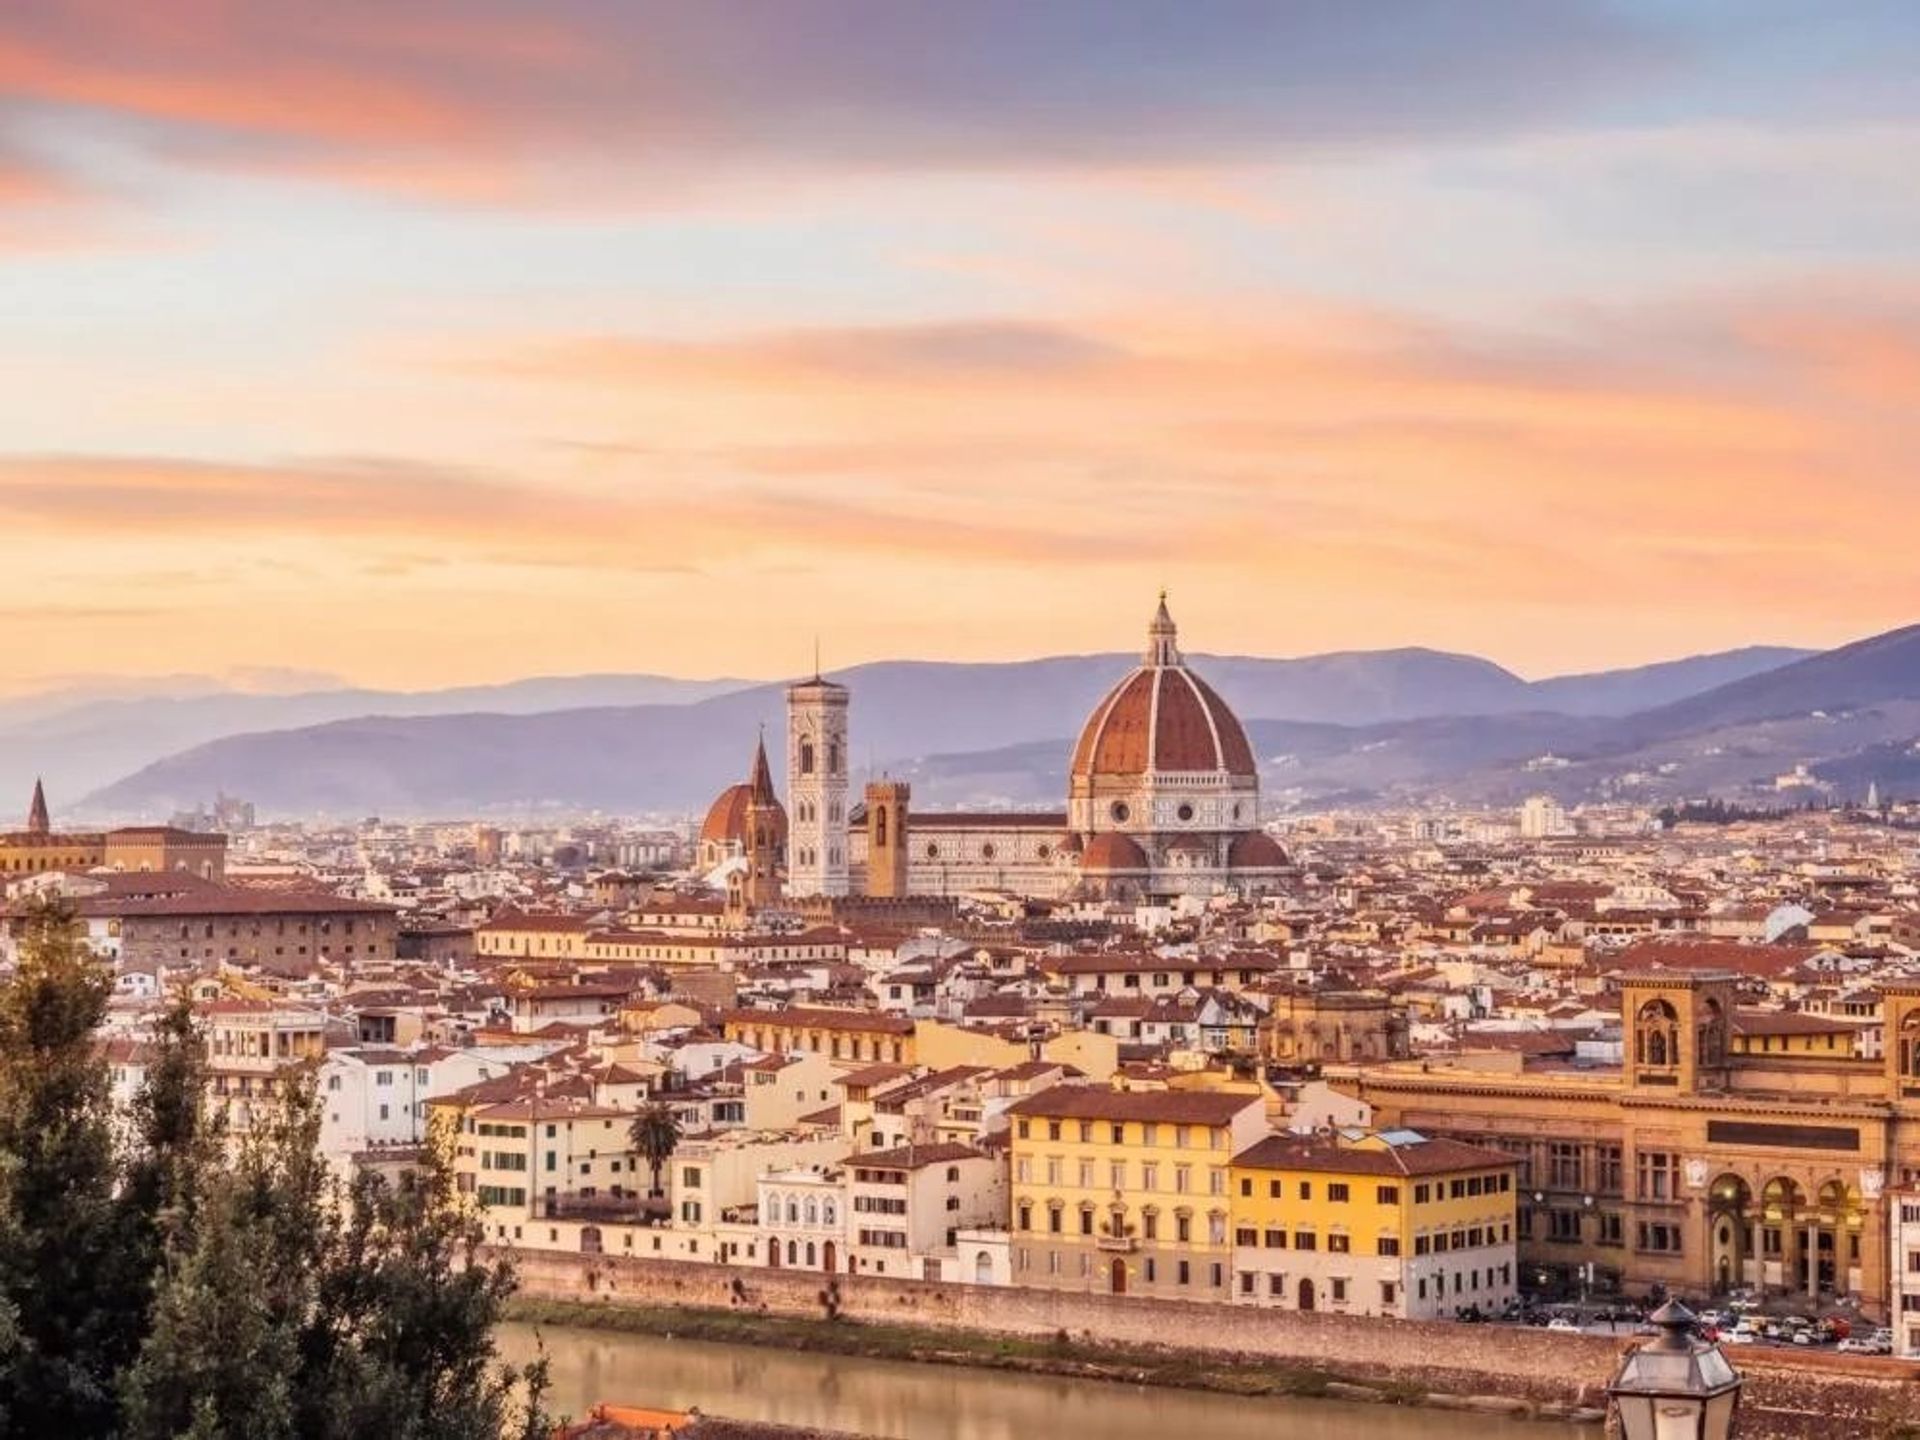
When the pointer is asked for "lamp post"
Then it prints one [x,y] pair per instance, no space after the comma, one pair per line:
[1676,1387]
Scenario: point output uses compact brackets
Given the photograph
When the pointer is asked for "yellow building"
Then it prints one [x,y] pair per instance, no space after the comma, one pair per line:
[526,935]
[1709,1159]
[40,849]
[1373,1223]
[1126,1192]
[1793,1032]
[860,1035]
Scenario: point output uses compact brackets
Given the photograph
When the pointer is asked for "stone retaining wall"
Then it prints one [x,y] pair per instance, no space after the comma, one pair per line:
[1789,1396]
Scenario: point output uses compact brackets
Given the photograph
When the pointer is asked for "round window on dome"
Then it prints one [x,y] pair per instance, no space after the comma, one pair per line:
[1119,811]
[933,851]
[1185,812]
[1046,852]
[987,851]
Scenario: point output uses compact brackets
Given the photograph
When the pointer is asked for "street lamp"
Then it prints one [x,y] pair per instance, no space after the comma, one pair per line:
[1676,1387]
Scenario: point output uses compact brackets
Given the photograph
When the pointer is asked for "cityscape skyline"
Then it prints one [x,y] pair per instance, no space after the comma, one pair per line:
[398,348]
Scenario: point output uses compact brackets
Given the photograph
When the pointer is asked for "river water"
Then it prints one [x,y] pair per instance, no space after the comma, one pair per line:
[895,1398]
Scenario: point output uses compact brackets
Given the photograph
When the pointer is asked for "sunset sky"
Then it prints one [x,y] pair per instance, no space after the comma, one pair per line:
[421,343]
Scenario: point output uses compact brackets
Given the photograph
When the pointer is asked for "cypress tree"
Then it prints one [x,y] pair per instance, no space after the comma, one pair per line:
[70,1284]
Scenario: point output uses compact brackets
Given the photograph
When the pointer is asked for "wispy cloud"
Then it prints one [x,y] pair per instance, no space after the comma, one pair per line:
[364,87]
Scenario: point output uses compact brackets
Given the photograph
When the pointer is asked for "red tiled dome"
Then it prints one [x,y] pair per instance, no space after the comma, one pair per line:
[1111,851]
[1162,717]
[1257,850]
[726,820]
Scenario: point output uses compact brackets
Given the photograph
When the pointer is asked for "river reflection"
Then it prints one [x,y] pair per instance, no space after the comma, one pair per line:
[934,1402]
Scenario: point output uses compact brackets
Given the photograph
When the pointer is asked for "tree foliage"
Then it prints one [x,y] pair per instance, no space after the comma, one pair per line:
[161,1279]
[655,1135]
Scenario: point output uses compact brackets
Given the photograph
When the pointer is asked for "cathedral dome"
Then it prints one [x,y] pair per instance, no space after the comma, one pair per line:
[727,817]
[1161,719]
[726,822]
[1257,850]
[1112,851]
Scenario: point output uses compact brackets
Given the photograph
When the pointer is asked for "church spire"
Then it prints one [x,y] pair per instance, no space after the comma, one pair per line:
[1163,637]
[38,822]
[760,778]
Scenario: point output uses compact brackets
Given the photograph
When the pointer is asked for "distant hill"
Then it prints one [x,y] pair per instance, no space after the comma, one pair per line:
[76,738]
[1880,668]
[966,733]
[1623,692]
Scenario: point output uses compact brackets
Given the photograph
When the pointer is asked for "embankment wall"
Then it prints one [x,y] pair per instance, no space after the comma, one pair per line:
[1788,1396]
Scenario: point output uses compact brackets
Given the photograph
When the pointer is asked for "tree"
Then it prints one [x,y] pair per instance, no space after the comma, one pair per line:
[73,1293]
[655,1135]
[159,1281]
[174,1143]
[296,1307]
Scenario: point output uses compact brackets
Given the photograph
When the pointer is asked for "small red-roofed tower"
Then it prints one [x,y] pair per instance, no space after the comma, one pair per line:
[760,885]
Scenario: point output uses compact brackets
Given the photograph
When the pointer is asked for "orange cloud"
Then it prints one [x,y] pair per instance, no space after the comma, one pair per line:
[1372,478]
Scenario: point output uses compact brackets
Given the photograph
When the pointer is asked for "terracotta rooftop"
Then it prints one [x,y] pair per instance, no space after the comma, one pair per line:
[1176,1107]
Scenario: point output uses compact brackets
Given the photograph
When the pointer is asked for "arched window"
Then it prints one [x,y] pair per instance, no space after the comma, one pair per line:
[1656,1035]
[826,1211]
[793,1211]
[833,757]
[813,1212]
[806,757]
[772,1216]
[880,825]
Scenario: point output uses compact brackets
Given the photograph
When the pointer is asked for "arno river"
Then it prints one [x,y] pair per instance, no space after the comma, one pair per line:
[935,1402]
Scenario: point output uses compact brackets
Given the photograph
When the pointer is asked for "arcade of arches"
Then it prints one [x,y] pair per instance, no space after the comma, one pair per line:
[1694,1166]
[1786,1236]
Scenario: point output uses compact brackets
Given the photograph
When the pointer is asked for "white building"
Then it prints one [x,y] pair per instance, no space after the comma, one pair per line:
[803,1218]
[1541,816]
[909,1206]
[376,1098]
[1903,1255]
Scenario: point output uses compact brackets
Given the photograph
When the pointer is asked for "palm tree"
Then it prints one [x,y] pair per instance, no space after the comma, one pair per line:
[655,1134]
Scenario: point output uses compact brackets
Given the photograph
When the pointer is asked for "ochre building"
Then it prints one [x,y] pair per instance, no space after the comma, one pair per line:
[1704,1162]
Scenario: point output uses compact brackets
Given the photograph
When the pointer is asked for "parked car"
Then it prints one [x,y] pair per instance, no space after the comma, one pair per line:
[1738,1336]
[1563,1324]
[1851,1346]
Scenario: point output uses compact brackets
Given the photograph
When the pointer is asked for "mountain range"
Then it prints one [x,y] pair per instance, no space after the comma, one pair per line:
[1365,726]
[77,736]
